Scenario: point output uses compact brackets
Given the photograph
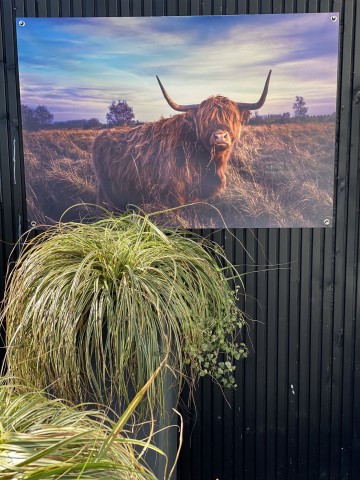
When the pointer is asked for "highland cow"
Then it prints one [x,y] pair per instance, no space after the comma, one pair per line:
[174,160]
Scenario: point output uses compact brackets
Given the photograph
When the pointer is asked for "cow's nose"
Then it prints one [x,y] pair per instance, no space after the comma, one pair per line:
[220,137]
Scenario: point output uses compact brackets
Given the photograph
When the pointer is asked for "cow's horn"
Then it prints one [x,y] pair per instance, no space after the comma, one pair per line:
[261,101]
[175,106]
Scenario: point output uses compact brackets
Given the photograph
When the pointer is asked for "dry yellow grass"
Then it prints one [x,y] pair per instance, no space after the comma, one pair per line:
[58,172]
[280,175]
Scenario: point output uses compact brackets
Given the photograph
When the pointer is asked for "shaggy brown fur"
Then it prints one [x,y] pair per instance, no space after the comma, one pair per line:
[174,160]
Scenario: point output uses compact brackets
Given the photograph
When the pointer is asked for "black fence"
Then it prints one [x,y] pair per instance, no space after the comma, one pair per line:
[296,411]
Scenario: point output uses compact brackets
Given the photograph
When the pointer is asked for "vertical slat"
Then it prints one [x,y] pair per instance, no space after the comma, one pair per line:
[124,8]
[324,6]
[326,356]
[250,363]
[278,6]
[218,7]
[184,8]
[41,8]
[19,8]
[313,6]
[209,456]
[242,7]
[301,6]
[172,7]
[30,8]
[294,344]
[197,434]
[315,352]
[283,355]
[136,8]
[217,439]
[89,8]
[65,8]
[229,424]
[230,7]
[265,6]
[240,258]
[159,7]
[254,6]
[148,9]
[54,8]
[206,7]
[342,227]
[260,352]
[271,356]
[289,6]
[195,7]
[337,7]
[77,8]
[113,7]
[304,352]
[229,427]
[101,8]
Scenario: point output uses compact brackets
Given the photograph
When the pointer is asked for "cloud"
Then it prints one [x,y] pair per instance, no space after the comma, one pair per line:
[96,60]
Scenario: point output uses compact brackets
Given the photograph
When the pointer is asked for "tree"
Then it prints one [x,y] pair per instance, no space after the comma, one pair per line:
[42,116]
[27,117]
[120,113]
[35,119]
[92,123]
[300,111]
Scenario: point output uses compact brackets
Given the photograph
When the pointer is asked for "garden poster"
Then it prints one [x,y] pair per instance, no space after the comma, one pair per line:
[213,120]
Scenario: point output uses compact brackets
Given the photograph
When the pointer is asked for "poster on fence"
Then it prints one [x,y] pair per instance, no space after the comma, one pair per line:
[213,120]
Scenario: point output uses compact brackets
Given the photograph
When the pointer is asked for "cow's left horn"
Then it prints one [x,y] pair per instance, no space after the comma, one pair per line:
[261,101]
[175,106]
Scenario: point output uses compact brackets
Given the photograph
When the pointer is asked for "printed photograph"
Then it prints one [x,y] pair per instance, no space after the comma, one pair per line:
[213,120]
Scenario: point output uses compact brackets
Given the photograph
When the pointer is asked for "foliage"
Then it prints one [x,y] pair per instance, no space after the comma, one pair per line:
[93,123]
[48,438]
[120,113]
[93,309]
[300,111]
[35,119]
[80,123]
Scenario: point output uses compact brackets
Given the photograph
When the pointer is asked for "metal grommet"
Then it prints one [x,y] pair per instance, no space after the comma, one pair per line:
[327,222]
[21,23]
[333,18]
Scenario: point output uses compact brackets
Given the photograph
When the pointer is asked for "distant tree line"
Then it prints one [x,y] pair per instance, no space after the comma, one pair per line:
[120,113]
[300,115]
[39,118]
[286,118]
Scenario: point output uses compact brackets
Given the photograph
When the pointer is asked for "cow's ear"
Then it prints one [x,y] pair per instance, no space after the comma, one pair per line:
[190,125]
[245,114]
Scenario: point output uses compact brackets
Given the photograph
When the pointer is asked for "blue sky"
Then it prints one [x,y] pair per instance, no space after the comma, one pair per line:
[78,66]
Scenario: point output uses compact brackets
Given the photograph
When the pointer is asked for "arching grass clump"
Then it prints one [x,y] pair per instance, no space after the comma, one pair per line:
[93,309]
[46,438]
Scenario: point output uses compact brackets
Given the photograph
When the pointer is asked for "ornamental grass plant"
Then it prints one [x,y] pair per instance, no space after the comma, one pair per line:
[92,310]
[43,437]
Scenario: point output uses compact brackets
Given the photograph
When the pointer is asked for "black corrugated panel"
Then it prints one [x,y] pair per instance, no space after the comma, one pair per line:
[296,412]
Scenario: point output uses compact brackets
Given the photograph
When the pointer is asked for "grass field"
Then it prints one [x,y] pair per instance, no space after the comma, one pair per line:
[280,175]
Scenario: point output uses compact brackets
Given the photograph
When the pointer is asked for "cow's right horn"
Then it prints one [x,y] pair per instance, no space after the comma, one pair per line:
[175,106]
[260,102]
